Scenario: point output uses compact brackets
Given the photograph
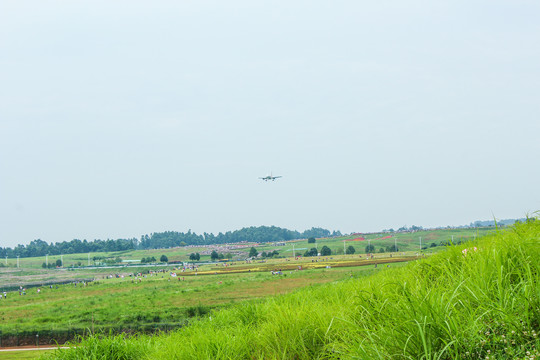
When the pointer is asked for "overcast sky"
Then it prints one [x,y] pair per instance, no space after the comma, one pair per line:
[123,118]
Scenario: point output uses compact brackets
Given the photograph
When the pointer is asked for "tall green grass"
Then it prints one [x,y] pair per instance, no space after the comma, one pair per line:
[479,300]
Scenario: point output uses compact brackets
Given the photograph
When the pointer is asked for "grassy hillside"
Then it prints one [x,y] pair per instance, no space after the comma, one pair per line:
[479,300]
[407,241]
[155,301]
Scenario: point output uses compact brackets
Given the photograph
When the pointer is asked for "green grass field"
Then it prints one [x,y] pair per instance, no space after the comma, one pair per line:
[478,300]
[161,300]
[155,298]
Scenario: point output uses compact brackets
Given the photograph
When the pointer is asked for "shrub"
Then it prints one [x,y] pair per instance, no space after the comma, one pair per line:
[325,251]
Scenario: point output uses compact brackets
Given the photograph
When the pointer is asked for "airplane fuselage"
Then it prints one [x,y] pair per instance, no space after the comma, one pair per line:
[270,177]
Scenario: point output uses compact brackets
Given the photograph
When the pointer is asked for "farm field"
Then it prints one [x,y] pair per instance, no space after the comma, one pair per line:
[147,298]
[158,298]
[406,241]
[477,300]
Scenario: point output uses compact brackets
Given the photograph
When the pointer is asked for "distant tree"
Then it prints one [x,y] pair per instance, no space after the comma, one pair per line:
[59,263]
[164,259]
[165,239]
[264,254]
[44,265]
[316,233]
[350,250]
[392,248]
[325,251]
[149,259]
[311,252]
[370,249]
[253,252]
[381,250]
[214,255]
[311,240]
[197,256]
[433,245]
[221,256]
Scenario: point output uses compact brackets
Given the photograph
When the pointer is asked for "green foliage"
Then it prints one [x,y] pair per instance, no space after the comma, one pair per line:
[475,301]
[269,254]
[164,258]
[311,252]
[392,248]
[58,263]
[214,255]
[165,239]
[149,259]
[325,251]
[253,252]
[258,234]
[194,256]
[370,249]
[117,347]
[199,310]
[311,240]
[350,250]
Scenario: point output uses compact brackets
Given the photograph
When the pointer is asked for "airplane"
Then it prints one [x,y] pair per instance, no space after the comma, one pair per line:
[270,177]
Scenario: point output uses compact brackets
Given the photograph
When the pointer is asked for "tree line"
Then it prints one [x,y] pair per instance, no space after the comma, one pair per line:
[160,240]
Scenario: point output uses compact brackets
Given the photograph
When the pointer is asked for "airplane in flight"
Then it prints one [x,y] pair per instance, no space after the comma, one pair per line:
[270,177]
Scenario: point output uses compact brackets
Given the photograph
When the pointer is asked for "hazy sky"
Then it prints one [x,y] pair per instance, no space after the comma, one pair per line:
[123,118]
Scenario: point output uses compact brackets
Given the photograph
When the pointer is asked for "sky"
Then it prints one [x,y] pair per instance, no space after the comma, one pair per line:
[123,118]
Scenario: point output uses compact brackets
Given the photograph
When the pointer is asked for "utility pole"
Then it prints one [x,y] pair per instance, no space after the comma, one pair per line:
[17,261]
[88,259]
[6,260]
[293,251]
[62,260]
[420,243]
[344,251]
[369,244]
[395,244]
[47,259]
[452,239]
